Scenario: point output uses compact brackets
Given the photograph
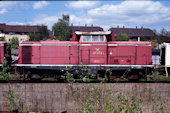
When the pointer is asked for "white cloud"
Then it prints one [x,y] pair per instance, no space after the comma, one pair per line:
[136,12]
[44,19]
[82,4]
[127,13]
[3,10]
[16,23]
[50,20]
[5,5]
[40,4]
[80,20]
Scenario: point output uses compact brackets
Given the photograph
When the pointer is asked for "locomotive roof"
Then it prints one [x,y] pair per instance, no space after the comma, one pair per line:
[93,33]
[47,42]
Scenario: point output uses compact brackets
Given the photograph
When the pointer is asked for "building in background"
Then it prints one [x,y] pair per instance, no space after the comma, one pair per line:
[19,31]
[136,34]
[86,28]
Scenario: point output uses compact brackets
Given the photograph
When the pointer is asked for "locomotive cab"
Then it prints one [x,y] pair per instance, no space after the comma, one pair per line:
[98,36]
[92,47]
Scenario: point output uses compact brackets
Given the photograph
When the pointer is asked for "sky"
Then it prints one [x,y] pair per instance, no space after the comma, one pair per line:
[151,14]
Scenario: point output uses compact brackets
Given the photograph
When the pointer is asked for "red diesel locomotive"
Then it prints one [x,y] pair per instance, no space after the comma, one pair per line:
[98,51]
[2,51]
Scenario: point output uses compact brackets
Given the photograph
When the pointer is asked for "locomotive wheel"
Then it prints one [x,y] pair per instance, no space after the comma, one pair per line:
[133,77]
[33,76]
[28,75]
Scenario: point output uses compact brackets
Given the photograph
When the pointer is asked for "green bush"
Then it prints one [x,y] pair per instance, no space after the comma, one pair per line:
[14,43]
[122,37]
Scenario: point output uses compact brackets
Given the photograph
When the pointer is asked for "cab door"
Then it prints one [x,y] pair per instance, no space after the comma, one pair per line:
[93,49]
[84,53]
[98,53]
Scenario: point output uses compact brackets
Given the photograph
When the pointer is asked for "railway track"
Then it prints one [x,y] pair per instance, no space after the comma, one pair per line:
[78,81]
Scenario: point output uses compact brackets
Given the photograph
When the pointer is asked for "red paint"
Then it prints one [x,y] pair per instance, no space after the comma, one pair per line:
[2,51]
[93,52]
[79,52]
[48,52]
[129,53]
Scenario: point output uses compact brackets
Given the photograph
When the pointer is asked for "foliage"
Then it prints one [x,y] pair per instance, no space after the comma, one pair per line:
[61,29]
[8,54]
[2,39]
[87,75]
[69,77]
[4,74]
[93,100]
[122,37]
[155,31]
[15,104]
[163,36]
[164,32]
[14,43]
[108,73]
[53,38]
[12,104]
[156,76]
[42,34]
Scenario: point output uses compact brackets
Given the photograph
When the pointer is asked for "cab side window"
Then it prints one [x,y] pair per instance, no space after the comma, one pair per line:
[93,38]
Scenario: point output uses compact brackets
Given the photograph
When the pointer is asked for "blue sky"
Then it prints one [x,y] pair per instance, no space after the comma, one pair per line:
[149,14]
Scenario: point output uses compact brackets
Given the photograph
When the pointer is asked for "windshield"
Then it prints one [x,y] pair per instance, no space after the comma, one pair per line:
[93,38]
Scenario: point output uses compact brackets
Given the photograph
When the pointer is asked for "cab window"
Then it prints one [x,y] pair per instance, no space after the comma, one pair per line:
[102,38]
[86,38]
[93,38]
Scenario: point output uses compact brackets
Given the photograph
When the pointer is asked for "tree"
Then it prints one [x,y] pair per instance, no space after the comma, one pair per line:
[164,32]
[4,73]
[2,39]
[155,31]
[122,37]
[40,35]
[61,29]
[14,43]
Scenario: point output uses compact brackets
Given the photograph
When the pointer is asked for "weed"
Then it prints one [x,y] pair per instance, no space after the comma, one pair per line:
[69,77]
[94,100]
[157,76]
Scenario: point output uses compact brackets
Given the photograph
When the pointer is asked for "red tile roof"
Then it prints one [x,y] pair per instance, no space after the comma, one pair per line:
[2,26]
[161,39]
[18,28]
[133,32]
[86,28]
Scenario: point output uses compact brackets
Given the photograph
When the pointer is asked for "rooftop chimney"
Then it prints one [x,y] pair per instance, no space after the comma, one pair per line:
[123,26]
[118,26]
[138,39]
[91,25]
[136,27]
[85,25]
